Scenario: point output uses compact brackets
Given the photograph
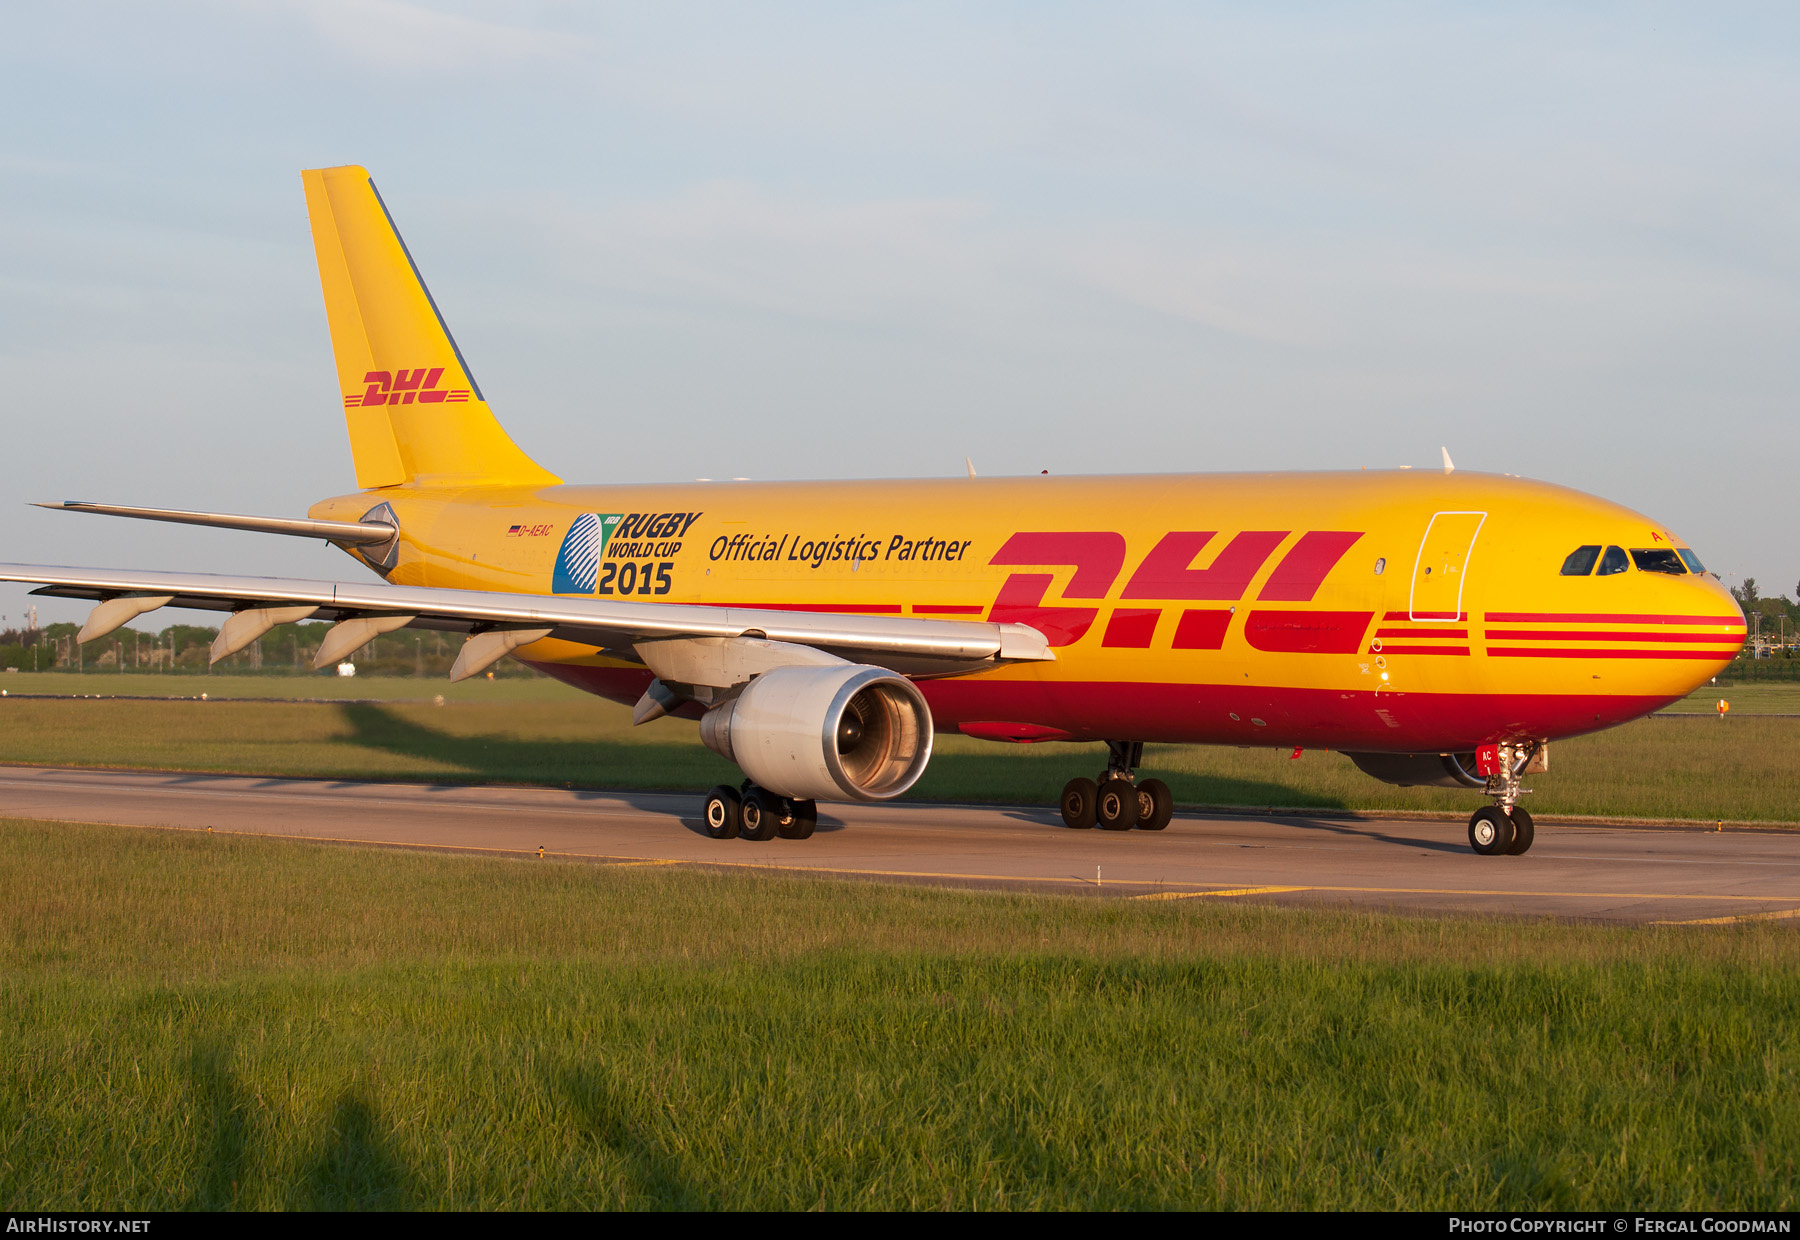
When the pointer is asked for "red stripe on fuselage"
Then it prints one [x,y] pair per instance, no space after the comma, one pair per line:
[1597,635]
[1577,617]
[1307,632]
[1529,652]
[1131,628]
[1202,629]
[1421,650]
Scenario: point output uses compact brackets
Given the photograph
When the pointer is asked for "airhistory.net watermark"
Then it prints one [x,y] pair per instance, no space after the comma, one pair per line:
[52,1225]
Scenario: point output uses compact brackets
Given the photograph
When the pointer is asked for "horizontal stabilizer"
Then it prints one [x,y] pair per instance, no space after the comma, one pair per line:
[346,533]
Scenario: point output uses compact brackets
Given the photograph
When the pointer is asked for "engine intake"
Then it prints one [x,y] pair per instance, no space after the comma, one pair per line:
[1421,770]
[838,733]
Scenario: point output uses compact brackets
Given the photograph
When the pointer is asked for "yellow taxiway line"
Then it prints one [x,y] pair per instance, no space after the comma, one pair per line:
[1777,915]
[1229,891]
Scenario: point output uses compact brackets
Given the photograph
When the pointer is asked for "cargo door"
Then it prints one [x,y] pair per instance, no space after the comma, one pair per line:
[1443,563]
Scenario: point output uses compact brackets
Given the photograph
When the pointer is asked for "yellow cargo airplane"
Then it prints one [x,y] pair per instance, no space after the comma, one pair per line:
[1439,628]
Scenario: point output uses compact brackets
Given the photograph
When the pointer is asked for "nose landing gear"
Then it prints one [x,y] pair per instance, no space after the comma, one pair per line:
[1118,800]
[1503,829]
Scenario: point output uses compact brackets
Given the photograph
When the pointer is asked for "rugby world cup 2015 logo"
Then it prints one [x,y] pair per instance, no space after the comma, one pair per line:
[578,560]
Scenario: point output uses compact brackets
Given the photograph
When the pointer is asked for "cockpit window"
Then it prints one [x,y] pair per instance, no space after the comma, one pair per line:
[1613,561]
[1658,560]
[1580,562]
[1692,561]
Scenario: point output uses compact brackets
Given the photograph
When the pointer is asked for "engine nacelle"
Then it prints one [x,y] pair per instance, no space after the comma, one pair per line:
[1421,770]
[846,732]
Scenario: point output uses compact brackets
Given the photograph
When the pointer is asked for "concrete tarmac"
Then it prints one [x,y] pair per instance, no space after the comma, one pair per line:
[1605,873]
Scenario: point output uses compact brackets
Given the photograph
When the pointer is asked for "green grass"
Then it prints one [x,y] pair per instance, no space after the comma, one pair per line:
[1699,768]
[190,1021]
[1774,698]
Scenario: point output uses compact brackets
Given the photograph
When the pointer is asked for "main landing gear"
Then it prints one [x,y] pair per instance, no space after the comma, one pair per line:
[1503,829]
[1117,801]
[753,813]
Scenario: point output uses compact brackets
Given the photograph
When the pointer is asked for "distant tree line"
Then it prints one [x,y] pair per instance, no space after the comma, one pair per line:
[1765,614]
[183,649]
[1774,632]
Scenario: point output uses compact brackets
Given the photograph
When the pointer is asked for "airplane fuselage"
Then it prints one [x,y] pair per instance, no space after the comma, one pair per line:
[1393,610]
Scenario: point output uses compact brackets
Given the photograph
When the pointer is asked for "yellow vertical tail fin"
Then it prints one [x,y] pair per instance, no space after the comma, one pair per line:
[414,411]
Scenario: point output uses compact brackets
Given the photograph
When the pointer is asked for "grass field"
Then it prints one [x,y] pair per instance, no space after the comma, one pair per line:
[1774,698]
[537,731]
[190,1021]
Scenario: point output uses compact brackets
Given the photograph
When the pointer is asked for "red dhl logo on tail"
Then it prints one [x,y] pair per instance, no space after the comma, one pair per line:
[403,387]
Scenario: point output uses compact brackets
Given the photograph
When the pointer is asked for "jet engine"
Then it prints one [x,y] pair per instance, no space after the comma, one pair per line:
[843,732]
[1428,770]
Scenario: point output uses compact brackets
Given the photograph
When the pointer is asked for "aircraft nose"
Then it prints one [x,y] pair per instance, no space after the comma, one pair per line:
[1705,630]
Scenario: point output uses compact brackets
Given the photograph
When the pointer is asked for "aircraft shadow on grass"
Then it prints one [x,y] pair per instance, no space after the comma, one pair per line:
[222,1108]
[353,1168]
[586,766]
[606,1118]
[551,763]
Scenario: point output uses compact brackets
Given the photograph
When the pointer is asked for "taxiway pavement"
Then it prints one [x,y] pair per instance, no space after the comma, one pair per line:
[1607,873]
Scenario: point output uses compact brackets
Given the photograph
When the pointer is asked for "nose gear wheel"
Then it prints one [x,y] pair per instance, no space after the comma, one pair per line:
[1503,829]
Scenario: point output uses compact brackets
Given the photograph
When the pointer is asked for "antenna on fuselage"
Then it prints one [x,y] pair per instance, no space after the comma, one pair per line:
[1449,465]
[970,462]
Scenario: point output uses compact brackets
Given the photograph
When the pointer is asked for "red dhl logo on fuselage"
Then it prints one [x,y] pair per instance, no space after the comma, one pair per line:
[1167,574]
[403,387]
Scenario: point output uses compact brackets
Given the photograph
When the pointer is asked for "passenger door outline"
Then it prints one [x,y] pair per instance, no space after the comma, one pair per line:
[1453,563]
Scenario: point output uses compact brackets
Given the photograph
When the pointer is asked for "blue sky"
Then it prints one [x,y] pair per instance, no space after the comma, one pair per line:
[684,241]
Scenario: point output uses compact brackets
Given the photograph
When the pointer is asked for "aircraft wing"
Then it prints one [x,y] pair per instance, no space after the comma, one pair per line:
[501,622]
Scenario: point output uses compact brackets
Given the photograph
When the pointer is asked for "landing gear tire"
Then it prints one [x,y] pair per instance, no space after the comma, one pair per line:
[760,815]
[722,812]
[799,821]
[1156,805]
[1078,796]
[1116,805]
[1523,832]
[1491,831]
